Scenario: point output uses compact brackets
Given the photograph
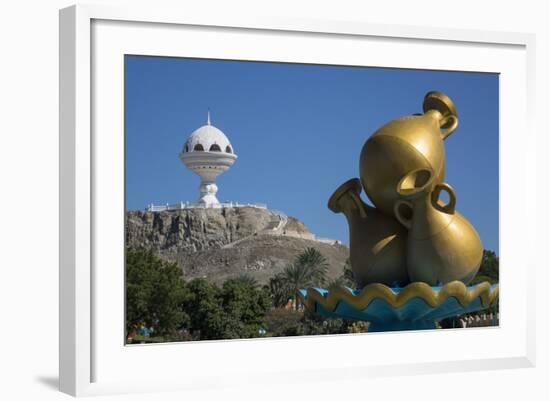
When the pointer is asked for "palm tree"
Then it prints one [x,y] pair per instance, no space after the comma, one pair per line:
[308,270]
[247,280]
[279,290]
[313,260]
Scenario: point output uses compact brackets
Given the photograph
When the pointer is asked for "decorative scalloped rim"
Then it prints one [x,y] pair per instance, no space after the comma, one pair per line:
[434,298]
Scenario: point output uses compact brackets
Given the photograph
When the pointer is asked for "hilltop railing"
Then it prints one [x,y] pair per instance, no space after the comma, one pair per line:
[277,230]
[328,240]
[189,205]
[283,219]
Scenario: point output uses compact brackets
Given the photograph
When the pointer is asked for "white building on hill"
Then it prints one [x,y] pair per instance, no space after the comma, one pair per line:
[207,153]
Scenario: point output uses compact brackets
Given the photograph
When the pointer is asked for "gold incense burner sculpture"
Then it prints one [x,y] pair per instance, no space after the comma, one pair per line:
[377,242]
[410,235]
[442,246]
[406,144]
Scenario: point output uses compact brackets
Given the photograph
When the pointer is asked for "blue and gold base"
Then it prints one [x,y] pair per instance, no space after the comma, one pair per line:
[417,306]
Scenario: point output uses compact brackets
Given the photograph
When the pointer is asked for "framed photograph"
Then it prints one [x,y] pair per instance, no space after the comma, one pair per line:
[222,182]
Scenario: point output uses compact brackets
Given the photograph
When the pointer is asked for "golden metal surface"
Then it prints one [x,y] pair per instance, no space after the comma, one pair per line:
[407,144]
[402,169]
[434,298]
[442,245]
[377,241]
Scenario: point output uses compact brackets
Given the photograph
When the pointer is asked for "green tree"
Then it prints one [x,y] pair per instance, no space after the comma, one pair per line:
[155,292]
[245,307]
[308,270]
[206,317]
[237,310]
[247,280]
[346,279]
[279,290]
[488,271]
[313,260]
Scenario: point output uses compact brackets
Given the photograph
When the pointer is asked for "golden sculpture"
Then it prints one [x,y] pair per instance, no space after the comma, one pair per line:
[405,144]
[402,169]
[377,241]
[442,246]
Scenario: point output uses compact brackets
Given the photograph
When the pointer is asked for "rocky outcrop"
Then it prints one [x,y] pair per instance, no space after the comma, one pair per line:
[221,243]
[191,230]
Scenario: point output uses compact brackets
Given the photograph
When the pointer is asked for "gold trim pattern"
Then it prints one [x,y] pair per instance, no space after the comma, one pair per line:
[434,298]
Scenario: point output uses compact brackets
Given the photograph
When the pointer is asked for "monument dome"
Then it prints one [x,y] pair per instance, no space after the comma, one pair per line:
[208,138]
[208,153]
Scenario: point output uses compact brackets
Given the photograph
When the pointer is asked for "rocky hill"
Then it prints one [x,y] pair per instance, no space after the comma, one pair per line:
[222,243]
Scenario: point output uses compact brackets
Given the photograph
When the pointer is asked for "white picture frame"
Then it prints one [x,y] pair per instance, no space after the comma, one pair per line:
[92,38]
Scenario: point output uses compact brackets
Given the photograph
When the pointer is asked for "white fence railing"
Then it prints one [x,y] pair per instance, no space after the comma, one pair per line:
[283,219]
[328,240]
[188,205]
[484,320]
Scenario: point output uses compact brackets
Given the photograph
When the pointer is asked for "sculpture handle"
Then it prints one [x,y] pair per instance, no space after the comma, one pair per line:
[448,125]
[397,210]
[448,117]
[450,207]
[359,204]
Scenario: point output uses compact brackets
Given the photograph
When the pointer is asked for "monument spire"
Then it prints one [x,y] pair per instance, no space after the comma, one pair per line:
[208,118]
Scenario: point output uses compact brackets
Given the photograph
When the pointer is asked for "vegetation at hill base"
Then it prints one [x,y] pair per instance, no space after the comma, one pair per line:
[162,306]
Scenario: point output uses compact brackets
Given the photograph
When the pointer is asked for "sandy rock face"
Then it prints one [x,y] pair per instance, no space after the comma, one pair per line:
[193,229]
[222,243]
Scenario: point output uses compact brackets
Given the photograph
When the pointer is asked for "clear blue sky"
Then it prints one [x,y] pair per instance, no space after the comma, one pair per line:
[298,131]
